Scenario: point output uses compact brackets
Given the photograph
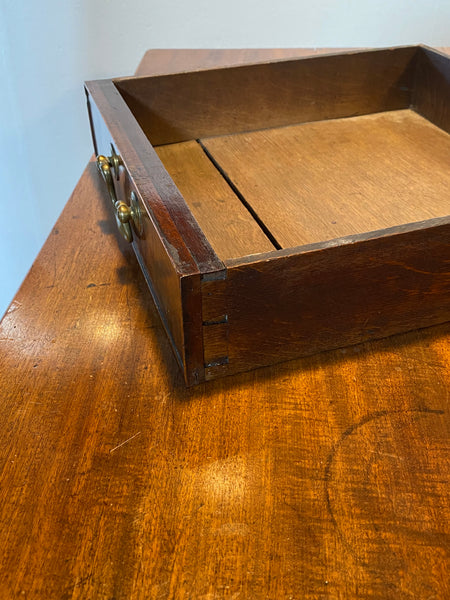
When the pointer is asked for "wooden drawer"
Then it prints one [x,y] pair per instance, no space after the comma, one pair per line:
[286,207]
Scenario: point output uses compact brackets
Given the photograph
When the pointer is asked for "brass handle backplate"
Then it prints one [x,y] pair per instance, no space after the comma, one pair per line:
[125,215]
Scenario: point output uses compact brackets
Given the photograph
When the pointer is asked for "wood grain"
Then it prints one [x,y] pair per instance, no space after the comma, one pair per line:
[319,181]
[186,106]
[227,224]
[171,247]
[321,296]
[432,88]
[160,196]
[326,477]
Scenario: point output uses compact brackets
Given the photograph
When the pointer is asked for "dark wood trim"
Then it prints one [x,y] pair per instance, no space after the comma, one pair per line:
[172,250]
[160,196]
[337,242]
[191,302]
[432,87]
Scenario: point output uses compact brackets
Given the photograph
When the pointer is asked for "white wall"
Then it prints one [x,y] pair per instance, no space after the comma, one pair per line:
[49,47]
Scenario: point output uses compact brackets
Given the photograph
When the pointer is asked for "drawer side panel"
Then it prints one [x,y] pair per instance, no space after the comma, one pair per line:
[186,106]
[282,308]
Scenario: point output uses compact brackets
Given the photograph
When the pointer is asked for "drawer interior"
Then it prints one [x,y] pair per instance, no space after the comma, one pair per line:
[283,187]
[283,154]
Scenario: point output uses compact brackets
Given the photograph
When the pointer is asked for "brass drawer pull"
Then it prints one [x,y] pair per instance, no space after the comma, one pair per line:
[125,215]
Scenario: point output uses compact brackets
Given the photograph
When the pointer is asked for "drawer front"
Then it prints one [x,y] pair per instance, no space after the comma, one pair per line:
[172,254]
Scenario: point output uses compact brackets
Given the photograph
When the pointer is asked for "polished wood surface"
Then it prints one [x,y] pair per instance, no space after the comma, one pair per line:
[326,477]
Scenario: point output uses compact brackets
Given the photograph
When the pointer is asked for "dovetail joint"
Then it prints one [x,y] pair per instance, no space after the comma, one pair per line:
[218,362]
